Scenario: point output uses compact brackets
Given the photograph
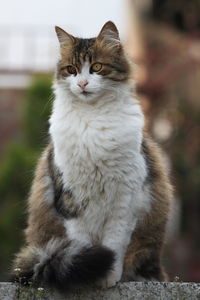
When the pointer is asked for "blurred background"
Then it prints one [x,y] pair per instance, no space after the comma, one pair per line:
[162,37]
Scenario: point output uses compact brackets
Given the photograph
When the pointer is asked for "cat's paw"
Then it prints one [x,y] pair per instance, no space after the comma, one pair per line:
[110,280]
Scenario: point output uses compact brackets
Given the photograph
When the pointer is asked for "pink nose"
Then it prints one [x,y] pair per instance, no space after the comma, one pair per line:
[82,84]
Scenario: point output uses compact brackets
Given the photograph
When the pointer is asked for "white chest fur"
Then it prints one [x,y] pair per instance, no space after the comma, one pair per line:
[96,144]
[97,149]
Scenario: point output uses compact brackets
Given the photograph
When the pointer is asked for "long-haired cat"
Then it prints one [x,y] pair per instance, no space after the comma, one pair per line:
[101,196]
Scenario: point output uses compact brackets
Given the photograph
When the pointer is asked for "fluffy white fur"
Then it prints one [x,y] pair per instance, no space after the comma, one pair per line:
[97,140]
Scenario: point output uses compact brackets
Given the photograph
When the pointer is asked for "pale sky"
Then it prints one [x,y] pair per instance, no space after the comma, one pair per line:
[81,17]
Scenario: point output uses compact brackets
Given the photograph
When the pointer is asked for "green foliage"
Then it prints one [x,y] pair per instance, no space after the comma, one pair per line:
[17,168]
[28,292]
[16,171]
[36,111]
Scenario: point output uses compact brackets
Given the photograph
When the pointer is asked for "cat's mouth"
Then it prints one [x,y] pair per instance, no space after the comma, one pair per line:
[86,93]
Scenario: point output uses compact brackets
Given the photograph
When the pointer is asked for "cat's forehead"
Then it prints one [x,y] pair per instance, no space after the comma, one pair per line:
[84,47]
[82,51]
[86,50]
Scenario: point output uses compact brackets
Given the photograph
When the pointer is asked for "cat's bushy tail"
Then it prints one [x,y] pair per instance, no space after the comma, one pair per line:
[62,264]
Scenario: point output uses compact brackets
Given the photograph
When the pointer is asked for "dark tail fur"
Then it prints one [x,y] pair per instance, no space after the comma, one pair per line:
[65,264]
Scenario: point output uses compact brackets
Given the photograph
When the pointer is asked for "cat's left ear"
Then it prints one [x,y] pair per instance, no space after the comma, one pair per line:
[64,37]
[109,30]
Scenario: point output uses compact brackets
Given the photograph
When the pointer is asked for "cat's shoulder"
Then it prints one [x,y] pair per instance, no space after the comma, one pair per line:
[155,158]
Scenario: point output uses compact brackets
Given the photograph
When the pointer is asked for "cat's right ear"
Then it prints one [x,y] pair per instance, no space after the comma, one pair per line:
[109,30]
[64,37]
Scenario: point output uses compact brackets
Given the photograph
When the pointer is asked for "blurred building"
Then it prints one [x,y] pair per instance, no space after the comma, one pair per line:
[24,51]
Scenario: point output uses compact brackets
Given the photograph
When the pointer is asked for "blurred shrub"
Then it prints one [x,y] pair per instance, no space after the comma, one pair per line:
[16,172]
[36,111]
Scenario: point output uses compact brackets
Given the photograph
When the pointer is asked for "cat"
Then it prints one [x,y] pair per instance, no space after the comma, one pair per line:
[101,195]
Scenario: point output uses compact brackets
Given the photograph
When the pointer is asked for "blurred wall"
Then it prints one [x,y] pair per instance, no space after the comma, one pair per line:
[168,79]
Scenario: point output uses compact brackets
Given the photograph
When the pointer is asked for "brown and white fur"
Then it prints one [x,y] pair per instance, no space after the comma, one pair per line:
[101,196]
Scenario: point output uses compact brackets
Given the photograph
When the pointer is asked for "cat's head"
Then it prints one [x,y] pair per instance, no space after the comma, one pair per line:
[89,68]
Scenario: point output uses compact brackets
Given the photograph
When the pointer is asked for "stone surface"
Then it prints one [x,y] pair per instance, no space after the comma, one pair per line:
[129,291]
[8,291]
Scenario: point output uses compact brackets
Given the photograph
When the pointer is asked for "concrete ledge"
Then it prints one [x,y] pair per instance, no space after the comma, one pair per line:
[129,291]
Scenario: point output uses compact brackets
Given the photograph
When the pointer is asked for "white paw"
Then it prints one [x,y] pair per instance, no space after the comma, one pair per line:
[111,279]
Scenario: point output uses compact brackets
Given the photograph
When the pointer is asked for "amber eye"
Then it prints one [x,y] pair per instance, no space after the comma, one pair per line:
[71,70]
[96,67]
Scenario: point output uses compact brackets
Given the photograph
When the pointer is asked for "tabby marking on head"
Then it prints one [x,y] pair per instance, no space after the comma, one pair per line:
[90,67]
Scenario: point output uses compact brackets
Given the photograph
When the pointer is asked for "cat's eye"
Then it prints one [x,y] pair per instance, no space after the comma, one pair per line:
[71,70]
[96,67]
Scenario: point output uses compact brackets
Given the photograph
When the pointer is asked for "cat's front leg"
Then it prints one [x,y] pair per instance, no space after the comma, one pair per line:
[76,231]
[117,234]
[114,276]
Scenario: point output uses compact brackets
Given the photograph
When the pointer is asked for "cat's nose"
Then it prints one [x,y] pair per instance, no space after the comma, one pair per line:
[82,84]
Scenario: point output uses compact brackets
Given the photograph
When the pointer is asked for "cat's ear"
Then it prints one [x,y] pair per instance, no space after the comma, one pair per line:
[64,37]
[109,30]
